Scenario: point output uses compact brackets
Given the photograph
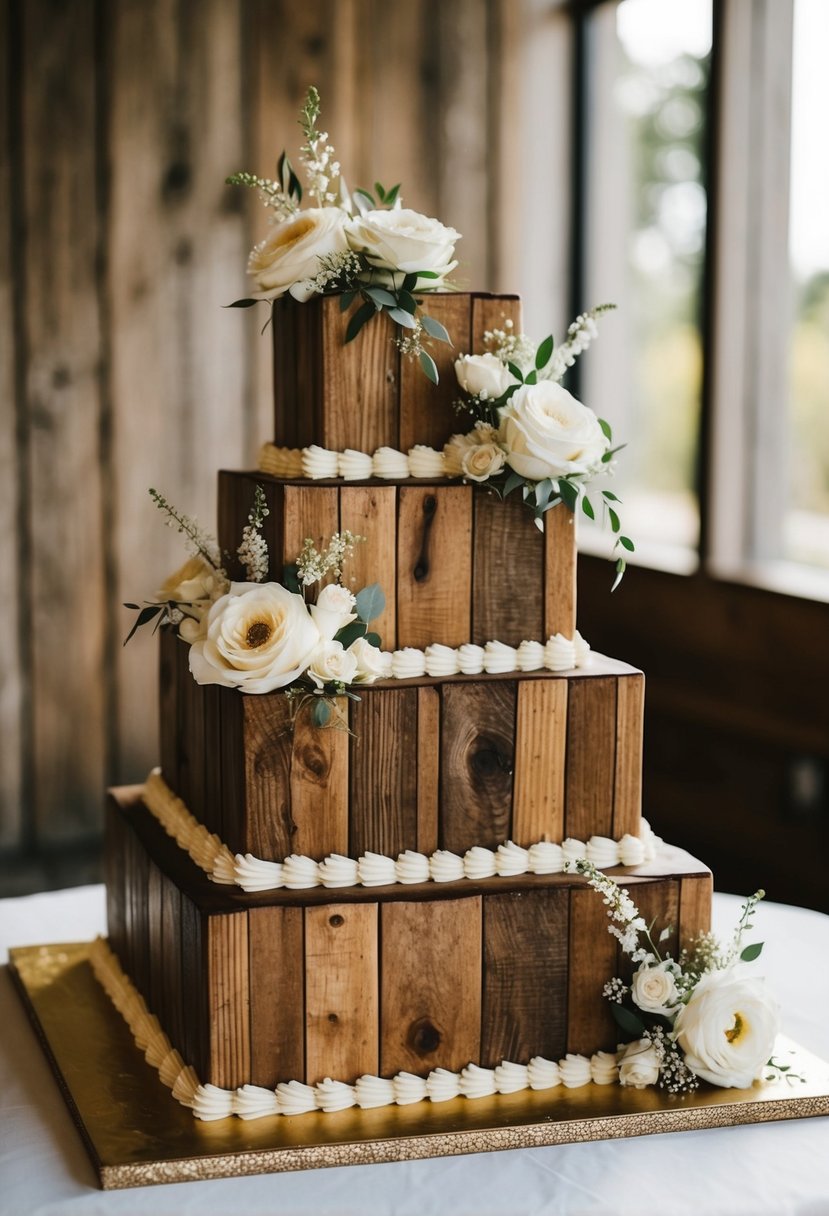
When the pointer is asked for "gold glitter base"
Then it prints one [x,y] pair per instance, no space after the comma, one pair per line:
[137,1134]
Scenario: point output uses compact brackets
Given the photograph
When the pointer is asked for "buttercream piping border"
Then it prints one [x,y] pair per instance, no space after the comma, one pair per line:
[251,873]
[210,1102]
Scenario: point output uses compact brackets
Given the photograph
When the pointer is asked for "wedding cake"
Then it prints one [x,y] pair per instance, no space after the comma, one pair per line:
[392,773]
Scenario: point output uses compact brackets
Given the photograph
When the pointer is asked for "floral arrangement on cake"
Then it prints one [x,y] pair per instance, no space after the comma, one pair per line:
[530,433]
[363,246]
[701,1017]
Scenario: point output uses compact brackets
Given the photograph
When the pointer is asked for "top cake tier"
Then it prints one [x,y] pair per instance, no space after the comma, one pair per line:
[365,395]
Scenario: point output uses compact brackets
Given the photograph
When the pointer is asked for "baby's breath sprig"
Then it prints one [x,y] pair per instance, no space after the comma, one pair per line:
[274,195]
[253,550]
[312,565]
[200,542]
[317,155]
[674,1074]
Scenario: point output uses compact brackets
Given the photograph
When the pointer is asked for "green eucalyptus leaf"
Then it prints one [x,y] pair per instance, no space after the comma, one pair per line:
[381,297]
[405,299]
[587,507]
[429,367]
[751,952]
[346,300]
[544,352]
[543,490]
[513,481]
[403,318]
[364,313]
[373,639]
[370,602]
[434,329]
[350,632]
[320,712]
[629,1021]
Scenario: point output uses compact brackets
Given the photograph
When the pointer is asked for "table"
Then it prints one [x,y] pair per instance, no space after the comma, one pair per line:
[781,1169]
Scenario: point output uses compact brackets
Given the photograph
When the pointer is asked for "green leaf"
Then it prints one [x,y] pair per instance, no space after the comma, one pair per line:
[513,481]
[516,371]
[627,543]
[426,274]
[144,616]
[346,300]
[402,317]
[373,639]
[606,430]
[410,282]
[569,493]
[614,520]
[587,507]
[381,194]
[364,313]
[320,712]
[366,198]
[241,304]
[381,297]
[751,952]
[543,490]
[134,607]
[434,329]
[290,578]
[610,496]
[429,367]
[629,1021]
[532,378]
[391,195]
[349,633]
[370,602]
[544,352]
[621,566]
[405,299]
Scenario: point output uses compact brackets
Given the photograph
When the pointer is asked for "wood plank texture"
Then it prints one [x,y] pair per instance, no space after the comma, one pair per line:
[194,982]
[428,769]
[229,996]
[318,786]
[277,995]
[426,413]
[434,565]
[630,711]
[268,829]
[658,903]
[559,572]
[383,773]
[430,982]
[476,764]
[310,511]
[525,954]
[540,759]
[591,757]
[169,646]
[695,895]
[341,992]
[490,312]
[371,511]
[359,382]
[175,1013]
[508,554]
[592,962]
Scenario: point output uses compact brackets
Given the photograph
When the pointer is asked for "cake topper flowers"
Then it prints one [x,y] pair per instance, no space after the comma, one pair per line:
[364,247]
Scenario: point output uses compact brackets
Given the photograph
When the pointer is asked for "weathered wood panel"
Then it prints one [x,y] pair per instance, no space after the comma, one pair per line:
[592,962]
[229,1000]
[311,512]
[434,565]
[383,773]
[695,895]
[269,825]
[540,761]
[476,763]
[155,994]
[318,785]
[168,704]
[507,572]
[591,757]
[426,413]
[525,936]
[491,312]
[175,1012]
[277,995]
[658,903]
[630,710]
[371,511]
[194,978]
[559,572]
[428,769]
[430,985]
[341,992]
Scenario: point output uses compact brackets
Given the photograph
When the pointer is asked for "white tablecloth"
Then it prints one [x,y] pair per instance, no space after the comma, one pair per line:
[780,1168]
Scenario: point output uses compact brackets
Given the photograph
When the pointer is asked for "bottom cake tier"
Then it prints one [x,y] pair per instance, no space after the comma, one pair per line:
[303,985]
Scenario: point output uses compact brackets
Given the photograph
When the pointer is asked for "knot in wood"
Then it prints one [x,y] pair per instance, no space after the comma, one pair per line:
[421,567]
[333,1019]
[313,761]
[336,920]
[424,1037]
[485,760]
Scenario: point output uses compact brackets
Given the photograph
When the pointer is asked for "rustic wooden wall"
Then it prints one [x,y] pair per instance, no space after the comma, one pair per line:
[119,244]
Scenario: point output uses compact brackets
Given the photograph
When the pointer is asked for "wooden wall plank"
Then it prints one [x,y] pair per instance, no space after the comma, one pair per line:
[476,764]
[213,802]
[434,565]
[227,770]
[592,962]
[236,497]
[430,983]
[169,646]
[341,992]
[540,758]
[695,895]
[115,877]
[310,511]
[630,711]
[591,756]
[194,978]
[426,413]
[490,312]
[175,1011]
[371,511]
[277,995]
[229,993]
[658,903]
[559,572]
[383,772]
[269,828]
[428,769]
[194,760]
[359,383]
[155,995]
[67,495]
[508,554]
[318,786]
[525,976]
[138,926]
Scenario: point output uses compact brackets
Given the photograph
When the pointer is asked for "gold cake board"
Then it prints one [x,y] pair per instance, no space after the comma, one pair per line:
[137,1135]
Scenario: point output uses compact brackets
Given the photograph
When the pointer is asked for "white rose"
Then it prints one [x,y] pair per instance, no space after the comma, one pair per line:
[727,1029]
[404,240]
[457,447]
[370,663]
[548,433]
[482,461]
[639,1064]
[333,610]
[260,636]
[331,662]
[195,580]
[654,990]
[289,257]
[483,376]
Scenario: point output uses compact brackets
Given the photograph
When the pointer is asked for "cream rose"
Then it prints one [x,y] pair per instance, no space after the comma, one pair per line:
[639,1064]
[728,1028]
[333,610]
[482,461]
[404,240]
[259,637]
[330,661]
[456,449]
[483,376]
[371,665]
[654,990]
[195,580]
[548,433]
[289,257]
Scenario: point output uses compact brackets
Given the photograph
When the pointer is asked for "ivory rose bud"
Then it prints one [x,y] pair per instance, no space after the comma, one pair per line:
[639,1065]
[548,433]
[331,662]
[482,461]
[371,665]
[193,587]
[654,990]
[259,637]
[483,376]
[333,610]
[456,449]
[404,240]
[728,1028]
[289,257]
